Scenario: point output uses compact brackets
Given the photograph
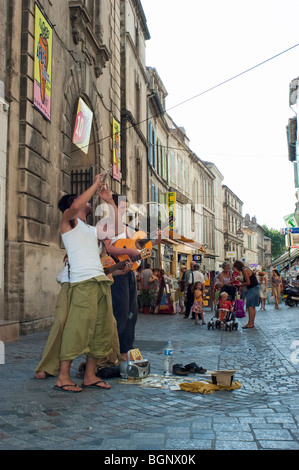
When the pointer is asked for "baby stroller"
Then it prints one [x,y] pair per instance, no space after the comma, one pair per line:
[229,322]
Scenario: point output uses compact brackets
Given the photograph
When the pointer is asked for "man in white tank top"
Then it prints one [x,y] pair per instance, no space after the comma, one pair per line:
[90,328]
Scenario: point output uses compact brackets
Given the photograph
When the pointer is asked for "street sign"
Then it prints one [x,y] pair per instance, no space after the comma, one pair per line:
[290,220]
[284,231]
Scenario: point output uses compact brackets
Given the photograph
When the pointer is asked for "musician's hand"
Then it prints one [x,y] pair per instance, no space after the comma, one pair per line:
[128,267]
[98,179]
[132,252]
[105,194]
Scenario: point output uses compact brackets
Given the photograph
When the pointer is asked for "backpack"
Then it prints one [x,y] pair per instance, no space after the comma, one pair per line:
[239,309]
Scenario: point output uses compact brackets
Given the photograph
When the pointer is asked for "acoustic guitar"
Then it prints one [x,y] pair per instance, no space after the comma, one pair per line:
[139,241]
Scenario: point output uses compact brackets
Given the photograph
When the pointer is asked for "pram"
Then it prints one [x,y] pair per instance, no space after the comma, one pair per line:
[229,322]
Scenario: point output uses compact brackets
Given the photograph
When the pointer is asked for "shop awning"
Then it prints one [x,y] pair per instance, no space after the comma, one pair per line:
[286,259]
[186,241]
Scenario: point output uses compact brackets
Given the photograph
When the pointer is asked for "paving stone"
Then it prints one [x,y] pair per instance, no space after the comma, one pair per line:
[262,414]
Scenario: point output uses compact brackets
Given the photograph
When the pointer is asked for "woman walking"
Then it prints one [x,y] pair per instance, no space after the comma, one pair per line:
[263,282]
[276,282]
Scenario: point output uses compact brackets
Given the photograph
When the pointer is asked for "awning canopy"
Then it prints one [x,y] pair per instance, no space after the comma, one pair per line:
[186,241]
[286,259]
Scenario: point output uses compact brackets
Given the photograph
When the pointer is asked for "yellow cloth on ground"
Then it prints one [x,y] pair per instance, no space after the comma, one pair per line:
[207,387]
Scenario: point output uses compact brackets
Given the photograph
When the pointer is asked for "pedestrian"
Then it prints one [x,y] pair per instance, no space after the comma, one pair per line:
[181,289]
[90,327]
[192,276]
[197,307]
[225,276]
[145,275]
[153,287]
[217,288]
[253,292]
[276,282]
[263,283]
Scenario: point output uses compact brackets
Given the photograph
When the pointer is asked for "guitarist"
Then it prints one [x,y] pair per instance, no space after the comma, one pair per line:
[124,289]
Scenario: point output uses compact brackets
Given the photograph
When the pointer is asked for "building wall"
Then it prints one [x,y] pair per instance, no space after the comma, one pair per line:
[4,108]
[134,33]
[41,154]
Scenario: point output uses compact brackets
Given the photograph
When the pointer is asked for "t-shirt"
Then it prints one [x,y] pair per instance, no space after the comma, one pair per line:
[145,275]
[197,277]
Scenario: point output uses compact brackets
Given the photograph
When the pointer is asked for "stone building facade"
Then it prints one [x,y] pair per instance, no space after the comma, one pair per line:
[41,158]
[98,62]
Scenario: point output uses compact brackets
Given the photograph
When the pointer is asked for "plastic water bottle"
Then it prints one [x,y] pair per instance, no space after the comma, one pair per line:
[168,355]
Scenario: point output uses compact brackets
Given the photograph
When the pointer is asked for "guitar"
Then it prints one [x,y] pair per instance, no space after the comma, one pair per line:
[139,240]
[110,265]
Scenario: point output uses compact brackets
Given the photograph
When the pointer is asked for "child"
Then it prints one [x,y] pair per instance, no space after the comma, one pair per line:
[224,305]
[235,278]
[197,306]
[218,286]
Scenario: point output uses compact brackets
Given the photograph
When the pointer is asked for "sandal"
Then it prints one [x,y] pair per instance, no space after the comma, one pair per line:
[179,369]
[194,368]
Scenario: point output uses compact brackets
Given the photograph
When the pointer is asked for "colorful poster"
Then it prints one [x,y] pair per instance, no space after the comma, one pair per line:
[170,199]
[43,38]
[115,150]
[82,129]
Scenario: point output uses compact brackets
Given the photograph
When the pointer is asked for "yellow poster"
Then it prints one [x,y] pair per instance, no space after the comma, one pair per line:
[115,150]
[82,127]
[43,39]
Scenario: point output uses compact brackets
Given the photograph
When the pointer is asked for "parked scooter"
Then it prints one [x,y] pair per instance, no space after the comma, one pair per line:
[291,295]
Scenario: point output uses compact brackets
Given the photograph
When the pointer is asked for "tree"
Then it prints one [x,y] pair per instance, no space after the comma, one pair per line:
[278,246]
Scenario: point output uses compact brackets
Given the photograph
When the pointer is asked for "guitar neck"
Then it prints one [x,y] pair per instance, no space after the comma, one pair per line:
[121,264]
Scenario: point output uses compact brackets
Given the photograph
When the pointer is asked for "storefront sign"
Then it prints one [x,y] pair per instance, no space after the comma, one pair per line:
[290,220]
[82,128]
[43,38]
[115,150]
[170,201]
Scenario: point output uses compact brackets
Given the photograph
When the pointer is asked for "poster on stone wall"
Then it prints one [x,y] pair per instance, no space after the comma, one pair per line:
[43,38]
[115,150]
[82,129]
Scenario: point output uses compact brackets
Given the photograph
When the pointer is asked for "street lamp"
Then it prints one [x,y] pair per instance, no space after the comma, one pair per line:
[240,233]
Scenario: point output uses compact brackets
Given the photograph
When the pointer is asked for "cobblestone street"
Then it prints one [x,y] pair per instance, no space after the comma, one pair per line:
[261,415]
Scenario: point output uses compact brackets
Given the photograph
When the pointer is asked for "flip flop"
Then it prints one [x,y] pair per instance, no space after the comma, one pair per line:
[247,327]
[62,388]
[95,385]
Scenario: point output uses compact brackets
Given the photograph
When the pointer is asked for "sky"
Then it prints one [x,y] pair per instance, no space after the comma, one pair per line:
[239,125]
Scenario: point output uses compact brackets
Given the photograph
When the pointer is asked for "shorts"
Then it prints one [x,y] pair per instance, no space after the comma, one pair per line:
[253,297]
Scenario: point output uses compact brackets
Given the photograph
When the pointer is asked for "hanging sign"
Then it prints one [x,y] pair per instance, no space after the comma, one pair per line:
[82,127]
[43,38]
[170,201]
[290,220]
[115,150]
